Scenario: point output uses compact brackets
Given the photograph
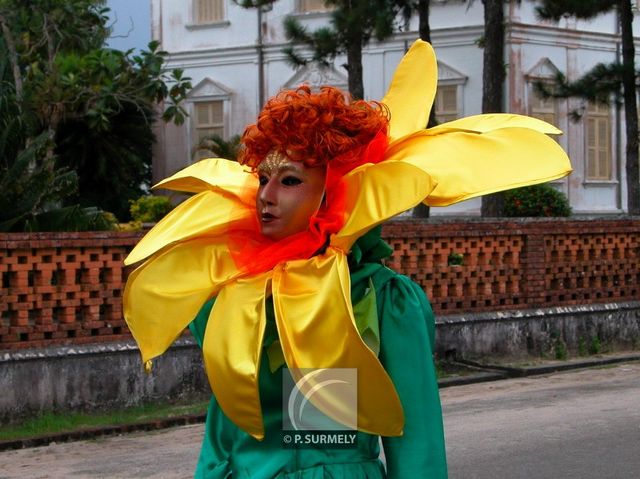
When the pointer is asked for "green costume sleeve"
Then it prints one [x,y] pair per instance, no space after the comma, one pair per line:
[198,325]
[407,336]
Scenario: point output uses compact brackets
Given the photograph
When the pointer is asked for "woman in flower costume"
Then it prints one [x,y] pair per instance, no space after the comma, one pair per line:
[284,253]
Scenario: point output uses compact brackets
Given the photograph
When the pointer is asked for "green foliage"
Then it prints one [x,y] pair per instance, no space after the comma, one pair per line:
[582,347]
[350,21]
[72,218]
[53,423]
[594,346]
[605,83]
[28,188]
[113,166]
[254,3]
[324,42]
[455,259]
[352,24]
[536,201]
[97,84]
[30,195]
[560,350]
[585,9]
[96,106]
[598,85]
[149,209]
[216,146]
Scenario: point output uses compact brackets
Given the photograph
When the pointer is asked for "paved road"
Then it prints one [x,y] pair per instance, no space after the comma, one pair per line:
[577,425]
[583,424]
[168,454]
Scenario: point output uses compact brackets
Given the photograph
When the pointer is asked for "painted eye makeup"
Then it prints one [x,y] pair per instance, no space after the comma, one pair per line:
[291,180]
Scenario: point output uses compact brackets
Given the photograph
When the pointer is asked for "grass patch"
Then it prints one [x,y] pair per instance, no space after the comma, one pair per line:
[54,423]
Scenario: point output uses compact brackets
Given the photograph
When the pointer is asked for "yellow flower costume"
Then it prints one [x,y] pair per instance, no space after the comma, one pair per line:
[190,258]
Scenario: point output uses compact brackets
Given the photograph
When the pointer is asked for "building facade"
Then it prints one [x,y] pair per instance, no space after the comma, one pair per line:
[235,59]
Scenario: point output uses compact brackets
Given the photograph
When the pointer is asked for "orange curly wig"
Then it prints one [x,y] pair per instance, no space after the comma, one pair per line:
[313,128]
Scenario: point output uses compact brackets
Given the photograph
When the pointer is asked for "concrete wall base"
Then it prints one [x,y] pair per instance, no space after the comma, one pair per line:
[110,376]
[536,332]
[96,377]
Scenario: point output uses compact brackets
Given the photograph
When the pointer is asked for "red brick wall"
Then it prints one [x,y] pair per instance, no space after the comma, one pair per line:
[519,264]
[66,288]
[62,288]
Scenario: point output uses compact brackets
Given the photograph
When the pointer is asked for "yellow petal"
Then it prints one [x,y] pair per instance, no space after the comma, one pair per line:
[412,90]
[232,347]
[464,165]
[312,304]
[207,213]
[211,173]
[164,294]
[494,121]
[378,192]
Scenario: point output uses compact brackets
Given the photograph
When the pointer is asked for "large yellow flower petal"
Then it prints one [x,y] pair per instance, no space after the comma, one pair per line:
[312,304]
[209,213]
[465,165]
[164,294]
[226,195]
[232,347]
[494,121]
[412,90]
[211,173]
[378,192]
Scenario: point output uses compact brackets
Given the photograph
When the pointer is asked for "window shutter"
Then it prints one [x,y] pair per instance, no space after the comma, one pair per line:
[209,119]
[447,103]
[208,11]
[598,133]
[312,6]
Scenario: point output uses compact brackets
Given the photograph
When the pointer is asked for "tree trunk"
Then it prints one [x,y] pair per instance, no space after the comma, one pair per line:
[13,60]
[354,61]
[493,75]
[354,67]
[630,107]
[425,34]
[422,210]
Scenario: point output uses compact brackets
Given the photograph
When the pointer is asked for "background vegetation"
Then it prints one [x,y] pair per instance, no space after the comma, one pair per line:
[75,117]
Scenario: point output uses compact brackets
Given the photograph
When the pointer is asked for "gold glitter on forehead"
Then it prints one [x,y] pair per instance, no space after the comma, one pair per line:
[272,162]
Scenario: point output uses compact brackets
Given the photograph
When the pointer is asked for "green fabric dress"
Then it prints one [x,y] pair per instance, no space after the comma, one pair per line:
[392,314]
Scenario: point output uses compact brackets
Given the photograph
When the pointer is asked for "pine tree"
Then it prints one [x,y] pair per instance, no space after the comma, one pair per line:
[603,82]
[352,24]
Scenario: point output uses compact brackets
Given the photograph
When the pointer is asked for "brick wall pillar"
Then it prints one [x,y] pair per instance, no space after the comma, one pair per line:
[533,269]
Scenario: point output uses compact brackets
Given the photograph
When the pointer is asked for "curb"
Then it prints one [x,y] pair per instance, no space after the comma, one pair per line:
[515,372]
[472,379]
[487,373]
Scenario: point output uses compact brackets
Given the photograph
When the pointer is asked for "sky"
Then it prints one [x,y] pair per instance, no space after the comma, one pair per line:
[131,24]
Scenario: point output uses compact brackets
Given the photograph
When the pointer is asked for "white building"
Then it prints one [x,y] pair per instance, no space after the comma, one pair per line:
[218,45]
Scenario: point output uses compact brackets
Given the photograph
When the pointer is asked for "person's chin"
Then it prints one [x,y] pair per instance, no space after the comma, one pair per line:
[272,231]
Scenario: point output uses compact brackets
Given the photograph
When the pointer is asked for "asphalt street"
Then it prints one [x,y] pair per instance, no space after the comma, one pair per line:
[580,424]
[574,425]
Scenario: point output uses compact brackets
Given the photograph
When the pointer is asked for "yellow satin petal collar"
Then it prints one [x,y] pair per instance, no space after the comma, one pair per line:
[190,261]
